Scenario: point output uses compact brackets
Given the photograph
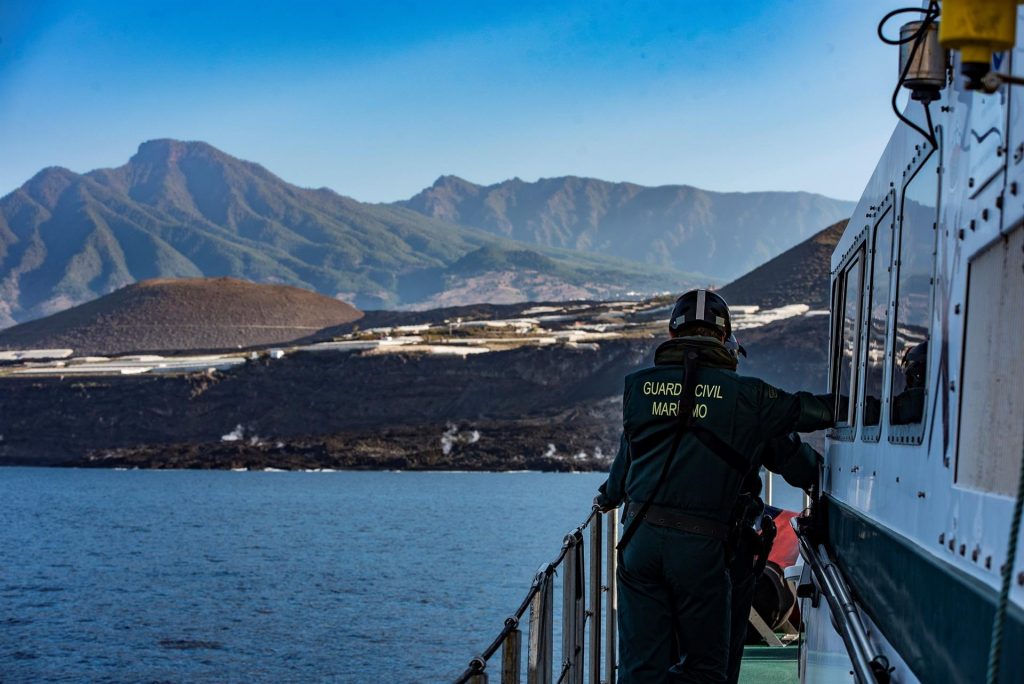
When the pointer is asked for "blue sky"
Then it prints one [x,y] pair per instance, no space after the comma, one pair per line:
[376,99]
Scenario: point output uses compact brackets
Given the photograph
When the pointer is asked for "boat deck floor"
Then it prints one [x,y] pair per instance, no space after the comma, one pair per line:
[764,665]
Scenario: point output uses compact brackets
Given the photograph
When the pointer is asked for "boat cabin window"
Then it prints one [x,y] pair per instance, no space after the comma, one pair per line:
[915,264]
[992,399]
[849,334]
[878,317]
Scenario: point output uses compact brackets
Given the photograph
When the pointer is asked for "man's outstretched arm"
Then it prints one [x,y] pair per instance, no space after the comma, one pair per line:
[782,412]
[796,461]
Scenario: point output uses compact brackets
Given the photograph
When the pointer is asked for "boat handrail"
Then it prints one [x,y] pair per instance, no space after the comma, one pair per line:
[870,666]
[576,615]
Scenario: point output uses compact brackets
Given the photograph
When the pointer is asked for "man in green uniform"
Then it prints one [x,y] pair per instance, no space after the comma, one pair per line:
[692,430]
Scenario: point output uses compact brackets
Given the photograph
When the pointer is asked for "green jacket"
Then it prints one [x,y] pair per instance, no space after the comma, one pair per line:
[743,412]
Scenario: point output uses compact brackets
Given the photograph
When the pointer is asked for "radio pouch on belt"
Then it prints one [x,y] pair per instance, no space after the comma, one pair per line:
[767,540]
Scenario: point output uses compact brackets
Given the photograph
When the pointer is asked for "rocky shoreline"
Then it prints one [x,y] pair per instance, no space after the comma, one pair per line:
[560,444]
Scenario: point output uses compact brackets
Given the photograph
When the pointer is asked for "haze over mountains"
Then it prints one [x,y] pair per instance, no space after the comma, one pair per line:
[673,226]
[186,209]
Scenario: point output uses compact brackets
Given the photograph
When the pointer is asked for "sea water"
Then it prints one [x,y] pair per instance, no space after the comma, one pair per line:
[189,576]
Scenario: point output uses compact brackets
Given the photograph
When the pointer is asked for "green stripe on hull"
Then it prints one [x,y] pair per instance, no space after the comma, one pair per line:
[936,616]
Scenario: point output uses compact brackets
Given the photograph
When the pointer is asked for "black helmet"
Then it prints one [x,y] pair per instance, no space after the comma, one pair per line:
[701,306]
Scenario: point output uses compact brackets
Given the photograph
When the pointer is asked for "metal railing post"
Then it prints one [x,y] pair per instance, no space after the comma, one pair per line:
[596,560]
[569,612]
[579,654]
[478,678]
[511,650]
[611,615]
[538,661]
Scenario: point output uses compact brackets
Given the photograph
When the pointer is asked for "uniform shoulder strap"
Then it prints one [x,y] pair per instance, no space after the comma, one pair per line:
[720,448]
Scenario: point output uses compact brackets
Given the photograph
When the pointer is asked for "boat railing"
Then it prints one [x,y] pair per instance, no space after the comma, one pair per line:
[588,617]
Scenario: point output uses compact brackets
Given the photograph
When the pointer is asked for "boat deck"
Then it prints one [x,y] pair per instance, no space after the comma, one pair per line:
[764,665]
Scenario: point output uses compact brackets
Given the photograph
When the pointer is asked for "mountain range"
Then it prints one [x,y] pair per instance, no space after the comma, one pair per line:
[673,226]
[186,209]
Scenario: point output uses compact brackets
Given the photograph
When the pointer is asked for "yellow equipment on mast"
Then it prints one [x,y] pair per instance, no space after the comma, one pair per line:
[978,28]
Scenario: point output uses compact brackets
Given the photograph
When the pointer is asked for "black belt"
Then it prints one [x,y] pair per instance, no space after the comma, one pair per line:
[663,516]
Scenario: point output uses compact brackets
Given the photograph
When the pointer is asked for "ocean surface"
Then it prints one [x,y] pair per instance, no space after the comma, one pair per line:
[190,576]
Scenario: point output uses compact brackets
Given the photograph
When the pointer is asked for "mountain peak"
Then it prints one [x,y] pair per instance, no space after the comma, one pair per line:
[51,174]
[169,151]
[437,200]
[449,182]
[46,186]
[189,176]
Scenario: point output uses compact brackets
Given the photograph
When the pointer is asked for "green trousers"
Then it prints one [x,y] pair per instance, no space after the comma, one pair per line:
[674,615]
[741,573]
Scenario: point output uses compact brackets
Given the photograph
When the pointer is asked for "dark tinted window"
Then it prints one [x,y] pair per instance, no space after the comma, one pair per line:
[848,334]
[878,317]
[914,294]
